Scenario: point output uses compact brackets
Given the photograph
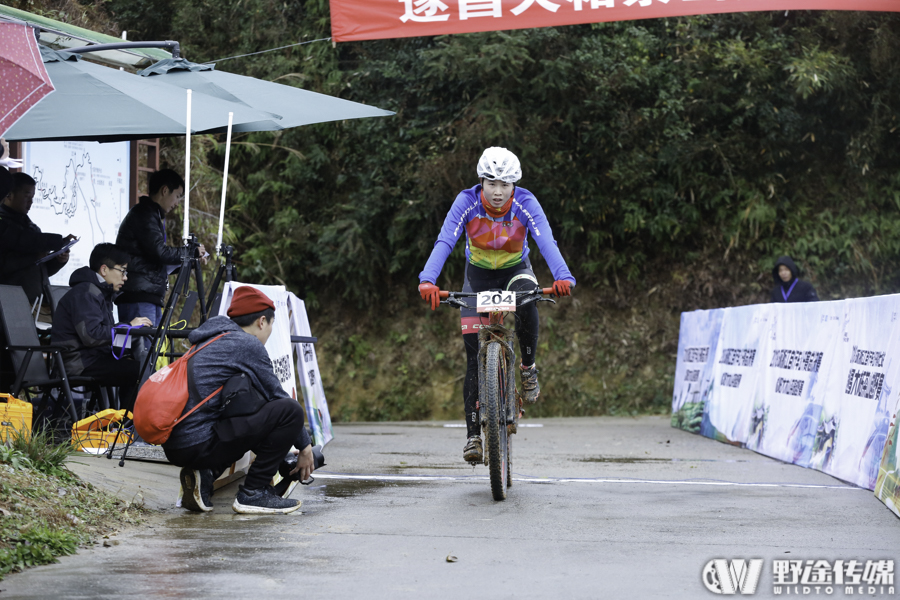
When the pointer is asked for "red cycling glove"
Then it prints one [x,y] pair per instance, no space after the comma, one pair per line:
[562,288]
[430,293]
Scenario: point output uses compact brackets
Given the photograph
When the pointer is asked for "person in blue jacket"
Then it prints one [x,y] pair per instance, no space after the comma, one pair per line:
[497,217]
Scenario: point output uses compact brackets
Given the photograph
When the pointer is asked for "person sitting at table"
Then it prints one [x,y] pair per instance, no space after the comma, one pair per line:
[22,243]
[83,324]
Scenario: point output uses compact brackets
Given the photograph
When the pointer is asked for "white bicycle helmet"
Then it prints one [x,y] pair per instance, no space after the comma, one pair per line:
[499,163]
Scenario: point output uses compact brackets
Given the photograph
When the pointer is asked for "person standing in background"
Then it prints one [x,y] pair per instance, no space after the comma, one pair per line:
[142,235]
[22,243]
[788,288]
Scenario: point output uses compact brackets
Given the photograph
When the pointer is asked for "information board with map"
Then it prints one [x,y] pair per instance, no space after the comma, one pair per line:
[81,189]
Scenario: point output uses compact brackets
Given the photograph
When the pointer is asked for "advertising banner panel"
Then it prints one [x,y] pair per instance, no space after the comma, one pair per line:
[855,418]
[698,339]
[279,344]
[887,487]
[798,361]
[736,370]
[310,380]
[353,20]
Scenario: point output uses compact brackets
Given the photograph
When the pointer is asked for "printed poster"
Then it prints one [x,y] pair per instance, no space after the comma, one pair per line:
[887,485]
[850,440]
[310,380]
[799,359]
[697,342]
[81,189]
[279,344]
[736,370]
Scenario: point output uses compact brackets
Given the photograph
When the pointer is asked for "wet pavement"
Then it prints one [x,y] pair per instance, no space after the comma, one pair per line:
[599,508]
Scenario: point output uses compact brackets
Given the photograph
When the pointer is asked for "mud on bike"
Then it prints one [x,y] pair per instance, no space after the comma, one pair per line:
[500,404]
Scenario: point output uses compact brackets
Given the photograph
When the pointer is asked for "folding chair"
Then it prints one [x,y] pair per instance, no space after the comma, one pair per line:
[23,345]
[56,294]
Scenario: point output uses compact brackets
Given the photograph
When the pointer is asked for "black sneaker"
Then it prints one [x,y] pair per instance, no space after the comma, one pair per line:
[262,502]
[197,489]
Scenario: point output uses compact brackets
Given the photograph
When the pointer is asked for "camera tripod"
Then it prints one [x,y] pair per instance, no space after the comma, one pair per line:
[190,265]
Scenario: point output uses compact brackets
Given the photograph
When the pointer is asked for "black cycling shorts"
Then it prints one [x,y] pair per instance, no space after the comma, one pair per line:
[516,278]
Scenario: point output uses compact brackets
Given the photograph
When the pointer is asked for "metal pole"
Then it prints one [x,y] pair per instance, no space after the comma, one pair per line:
[187,168]
[224,184]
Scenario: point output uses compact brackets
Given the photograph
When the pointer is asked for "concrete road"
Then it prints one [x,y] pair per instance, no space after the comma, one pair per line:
[599,508]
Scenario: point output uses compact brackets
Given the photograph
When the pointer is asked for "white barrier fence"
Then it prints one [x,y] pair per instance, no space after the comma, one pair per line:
[814,384]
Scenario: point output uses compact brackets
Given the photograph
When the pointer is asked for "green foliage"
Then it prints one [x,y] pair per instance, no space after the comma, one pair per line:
[746,134]
[37,546]
[45,510]
[41,452]
[681,156]
[14,458]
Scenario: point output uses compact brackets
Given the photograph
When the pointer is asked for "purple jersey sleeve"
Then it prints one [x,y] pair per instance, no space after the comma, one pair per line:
[540,231]
[454,225]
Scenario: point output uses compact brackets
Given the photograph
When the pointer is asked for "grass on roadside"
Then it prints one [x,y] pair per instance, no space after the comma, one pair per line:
[46,511]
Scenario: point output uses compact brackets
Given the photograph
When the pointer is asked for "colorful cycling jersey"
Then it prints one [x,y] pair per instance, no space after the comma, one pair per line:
[495,243]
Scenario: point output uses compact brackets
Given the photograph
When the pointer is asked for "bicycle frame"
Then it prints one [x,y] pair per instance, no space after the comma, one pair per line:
[499,402]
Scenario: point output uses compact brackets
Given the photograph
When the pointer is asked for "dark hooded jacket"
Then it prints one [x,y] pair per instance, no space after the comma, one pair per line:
[232,354]
[794,290]
[142,235]
[83,321]
[22,243]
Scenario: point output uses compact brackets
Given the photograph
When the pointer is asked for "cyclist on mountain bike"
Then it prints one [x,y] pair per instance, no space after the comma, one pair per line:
[497,216]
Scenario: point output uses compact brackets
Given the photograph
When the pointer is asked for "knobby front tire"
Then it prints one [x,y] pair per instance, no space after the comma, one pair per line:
[496,436]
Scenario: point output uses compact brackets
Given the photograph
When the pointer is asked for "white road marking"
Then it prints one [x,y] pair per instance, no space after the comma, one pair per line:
[579,480]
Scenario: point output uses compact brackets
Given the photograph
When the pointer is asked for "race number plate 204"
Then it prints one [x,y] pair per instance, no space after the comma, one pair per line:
[496,302]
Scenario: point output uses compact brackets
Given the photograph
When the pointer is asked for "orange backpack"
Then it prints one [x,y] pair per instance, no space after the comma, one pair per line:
[160,403]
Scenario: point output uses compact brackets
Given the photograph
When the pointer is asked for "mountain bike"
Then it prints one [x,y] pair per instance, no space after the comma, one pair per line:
[499,402]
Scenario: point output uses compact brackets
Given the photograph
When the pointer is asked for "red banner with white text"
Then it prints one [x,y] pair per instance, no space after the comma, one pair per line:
[379,19]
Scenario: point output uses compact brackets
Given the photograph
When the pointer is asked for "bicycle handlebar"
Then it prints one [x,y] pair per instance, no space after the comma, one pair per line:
[522,298]
[444,294]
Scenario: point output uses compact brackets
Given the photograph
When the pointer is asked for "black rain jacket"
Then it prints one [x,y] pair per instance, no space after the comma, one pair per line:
[22,243]
[83,321]
[143,236]
[794,290]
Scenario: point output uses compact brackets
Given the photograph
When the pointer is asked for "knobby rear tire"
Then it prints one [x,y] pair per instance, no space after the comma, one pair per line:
[496,436]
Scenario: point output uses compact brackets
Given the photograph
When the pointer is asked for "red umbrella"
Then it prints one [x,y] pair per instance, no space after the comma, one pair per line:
[23,78]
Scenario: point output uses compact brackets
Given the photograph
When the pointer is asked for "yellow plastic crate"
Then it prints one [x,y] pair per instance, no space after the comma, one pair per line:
[98,431]
[15,415]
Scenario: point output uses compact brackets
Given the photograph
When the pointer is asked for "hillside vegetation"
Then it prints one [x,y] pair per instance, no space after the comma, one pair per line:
[676,159]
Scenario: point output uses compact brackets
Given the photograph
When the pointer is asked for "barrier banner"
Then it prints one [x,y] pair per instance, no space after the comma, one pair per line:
[697,343]
[821,380]
[379,19]
[887,487]
[856,415]
[279,344]
[310,380]
[797,365]
[736,368]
